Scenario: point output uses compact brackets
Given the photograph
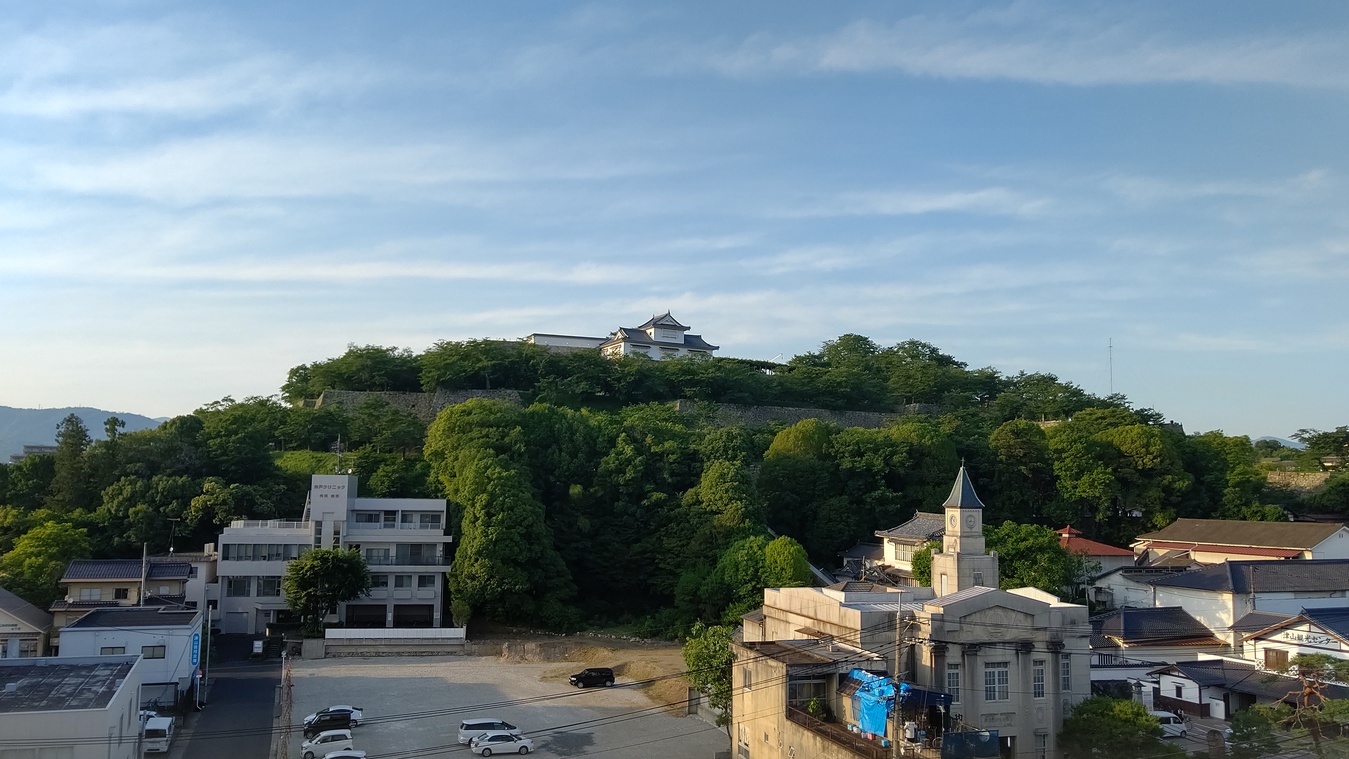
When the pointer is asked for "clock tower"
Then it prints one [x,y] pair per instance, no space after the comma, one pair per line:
[963,561]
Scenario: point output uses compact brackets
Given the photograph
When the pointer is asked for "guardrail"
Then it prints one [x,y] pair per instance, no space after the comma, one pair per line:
[450,634]
[839,734]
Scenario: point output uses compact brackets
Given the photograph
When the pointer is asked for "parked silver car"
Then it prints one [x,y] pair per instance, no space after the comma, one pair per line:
[500,743]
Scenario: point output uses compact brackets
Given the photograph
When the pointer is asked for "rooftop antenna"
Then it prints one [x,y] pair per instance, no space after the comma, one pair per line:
[1110,349]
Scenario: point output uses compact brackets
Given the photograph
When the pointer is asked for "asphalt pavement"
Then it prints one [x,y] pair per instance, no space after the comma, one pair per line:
[240,702]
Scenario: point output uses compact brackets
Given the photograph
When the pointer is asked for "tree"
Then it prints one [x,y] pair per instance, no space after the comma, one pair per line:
[322,578]
[922,564]
[1253,735]
[708,656]
[1113,728]
[1030,556]
[72,487]
[34,567]
[1307,708]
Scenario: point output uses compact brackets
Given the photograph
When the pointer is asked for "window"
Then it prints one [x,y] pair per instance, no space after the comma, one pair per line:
[1041,745]
[111,650]
[978,578]
[238,586]
[953,682]
[402,581]
[746,678]
[801,689]
[1066,674]
[390,519]
[192,572]
[1037,678]
[27,648]
[1180,691]
[368,517]
[269,586]
[121,594]
[426,581]
[376,556]
[91,594]
[379,581]
[152,652]
[190,604]
[1276,658]
[997,681]
[417,554]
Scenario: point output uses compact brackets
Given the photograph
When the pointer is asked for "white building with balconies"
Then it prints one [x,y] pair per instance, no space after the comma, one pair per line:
[403,540]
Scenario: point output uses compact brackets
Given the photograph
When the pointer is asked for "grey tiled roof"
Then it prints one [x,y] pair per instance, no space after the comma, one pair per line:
[864,551]
[23,611]
[125,569]
[135,616]
[1253,576]
[1259,620]
[1149,625]
[663,320]
[1333,620]
[1235,532]
[633,335]
[962,493]
[922,528]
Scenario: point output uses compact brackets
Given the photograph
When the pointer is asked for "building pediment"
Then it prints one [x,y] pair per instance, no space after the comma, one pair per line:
[995,623]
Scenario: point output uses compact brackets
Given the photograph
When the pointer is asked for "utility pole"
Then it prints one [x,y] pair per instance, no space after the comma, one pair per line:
[1110,350]
[145,570]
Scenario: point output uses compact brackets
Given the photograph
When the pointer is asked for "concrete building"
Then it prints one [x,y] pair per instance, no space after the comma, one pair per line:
[70,708]
[168,640]
[200,590]
[24,628]
[102,583]
[1004,666]
[403,540]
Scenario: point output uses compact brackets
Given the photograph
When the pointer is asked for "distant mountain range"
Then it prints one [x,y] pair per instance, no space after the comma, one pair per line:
[1281,441]
[37,426]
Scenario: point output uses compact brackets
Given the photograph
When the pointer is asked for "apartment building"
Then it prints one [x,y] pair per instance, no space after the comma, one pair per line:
[101,583]
[403,540]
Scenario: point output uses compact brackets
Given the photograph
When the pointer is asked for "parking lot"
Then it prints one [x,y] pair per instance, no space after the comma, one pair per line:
[413,707]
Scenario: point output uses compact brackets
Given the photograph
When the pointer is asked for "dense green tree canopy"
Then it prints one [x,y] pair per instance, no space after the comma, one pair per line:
[321,579]
[1113,728]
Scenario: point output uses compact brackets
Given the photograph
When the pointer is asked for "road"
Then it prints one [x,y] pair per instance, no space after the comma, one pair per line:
[237,721]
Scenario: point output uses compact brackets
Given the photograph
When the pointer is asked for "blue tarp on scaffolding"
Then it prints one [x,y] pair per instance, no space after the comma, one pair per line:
[874,699]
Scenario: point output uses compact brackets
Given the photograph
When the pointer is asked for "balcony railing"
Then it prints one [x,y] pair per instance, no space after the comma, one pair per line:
[398,526]
[407,561]
[840,735]
[276,524]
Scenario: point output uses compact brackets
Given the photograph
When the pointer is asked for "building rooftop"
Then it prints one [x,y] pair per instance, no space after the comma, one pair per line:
[1334,620]
[52,684]
[1257,576]
[1162,624]
[135,616]
[1235,532]
[23,611]
[812,652]
[962,493]
[922,528]
[1259,620]
[125,569]
[1073,541]
[1245,678]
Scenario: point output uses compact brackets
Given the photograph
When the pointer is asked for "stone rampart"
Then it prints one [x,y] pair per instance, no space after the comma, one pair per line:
[1305,482]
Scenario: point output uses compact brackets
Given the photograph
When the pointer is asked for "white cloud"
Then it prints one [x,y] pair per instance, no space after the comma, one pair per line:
[1040,44]
[994,201]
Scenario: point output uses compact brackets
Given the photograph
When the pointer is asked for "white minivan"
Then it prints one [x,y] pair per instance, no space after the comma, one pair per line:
[1172,726]
[157,734]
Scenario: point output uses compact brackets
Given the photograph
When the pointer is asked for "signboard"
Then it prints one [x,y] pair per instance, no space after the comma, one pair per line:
[196,648]
[257,647]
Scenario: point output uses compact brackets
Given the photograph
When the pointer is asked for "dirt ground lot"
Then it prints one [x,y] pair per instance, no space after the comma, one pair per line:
[413,705]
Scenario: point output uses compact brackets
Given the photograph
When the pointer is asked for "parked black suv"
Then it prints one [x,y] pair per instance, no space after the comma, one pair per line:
[327,721]
[592,676]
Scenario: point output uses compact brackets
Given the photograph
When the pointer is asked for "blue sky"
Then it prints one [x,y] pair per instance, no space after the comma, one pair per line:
[195,198]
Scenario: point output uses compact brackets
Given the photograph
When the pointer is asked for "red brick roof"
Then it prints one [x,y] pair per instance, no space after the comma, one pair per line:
[1068,538]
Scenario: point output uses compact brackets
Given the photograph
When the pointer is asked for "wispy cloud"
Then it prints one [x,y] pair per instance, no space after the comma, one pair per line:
[996,201]
[1041,44]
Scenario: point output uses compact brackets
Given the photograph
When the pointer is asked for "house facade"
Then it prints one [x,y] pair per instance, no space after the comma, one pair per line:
[24,628]
[102,583]
[71,707]
[169,642]
[899,543]
[999,665]
[403,541]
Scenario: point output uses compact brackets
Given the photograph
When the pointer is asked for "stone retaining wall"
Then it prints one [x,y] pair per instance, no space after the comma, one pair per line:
[758,416]
[1306,482]
[424,406]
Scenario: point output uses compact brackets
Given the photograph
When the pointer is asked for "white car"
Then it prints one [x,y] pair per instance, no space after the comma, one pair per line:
[326,742]
[472,728]
[1172,725]
[345,754]
[355,711]
[501,743]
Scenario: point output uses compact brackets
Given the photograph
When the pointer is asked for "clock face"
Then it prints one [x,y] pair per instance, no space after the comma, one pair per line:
[970,521]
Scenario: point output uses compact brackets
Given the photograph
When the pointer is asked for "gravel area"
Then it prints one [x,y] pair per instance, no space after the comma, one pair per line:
[413,706]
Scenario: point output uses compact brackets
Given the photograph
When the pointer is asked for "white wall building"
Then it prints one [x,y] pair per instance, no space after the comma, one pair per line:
[403,541]
[70,708]
[169,642]
[24,628]
[658,338]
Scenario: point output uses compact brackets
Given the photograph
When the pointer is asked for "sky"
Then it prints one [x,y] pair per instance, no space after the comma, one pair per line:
[1148,198]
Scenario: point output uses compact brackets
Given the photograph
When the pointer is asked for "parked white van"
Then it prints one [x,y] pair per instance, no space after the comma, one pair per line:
[1172,726]
[157,734]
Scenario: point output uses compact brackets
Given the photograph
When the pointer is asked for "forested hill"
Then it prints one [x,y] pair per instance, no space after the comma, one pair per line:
[37,426]
[597,501]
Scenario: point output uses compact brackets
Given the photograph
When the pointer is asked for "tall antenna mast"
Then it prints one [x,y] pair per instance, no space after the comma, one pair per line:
[1110,350]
